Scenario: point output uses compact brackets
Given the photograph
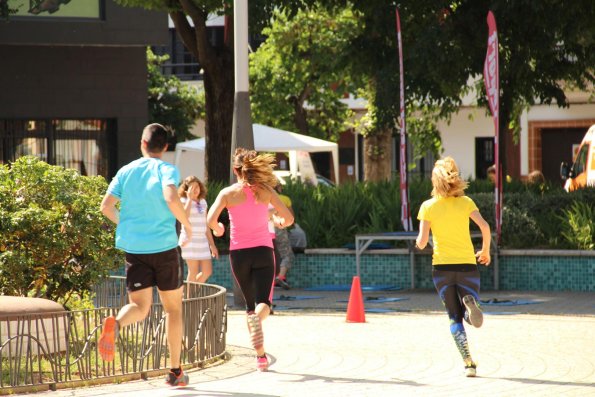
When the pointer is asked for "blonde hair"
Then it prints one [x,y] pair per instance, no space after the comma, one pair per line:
[255,169]
[446,179]
[189,180]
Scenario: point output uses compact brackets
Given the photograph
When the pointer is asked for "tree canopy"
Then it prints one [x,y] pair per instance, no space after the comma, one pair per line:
[172,103]
[216,61]
[299,76]
[545,47]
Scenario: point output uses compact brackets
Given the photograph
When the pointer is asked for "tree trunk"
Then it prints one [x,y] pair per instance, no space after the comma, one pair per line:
[377,156]
[216,60]
[219,100]
[300,119]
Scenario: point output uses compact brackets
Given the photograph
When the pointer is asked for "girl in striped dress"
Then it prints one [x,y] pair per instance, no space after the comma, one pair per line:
[199,250]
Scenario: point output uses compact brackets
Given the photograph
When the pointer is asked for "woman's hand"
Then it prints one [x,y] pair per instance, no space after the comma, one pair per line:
[192,192]
[219,230]
[483,257]
[278,221]
[214,251]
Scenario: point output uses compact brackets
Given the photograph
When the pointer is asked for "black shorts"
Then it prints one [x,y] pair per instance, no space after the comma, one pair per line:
[163,269]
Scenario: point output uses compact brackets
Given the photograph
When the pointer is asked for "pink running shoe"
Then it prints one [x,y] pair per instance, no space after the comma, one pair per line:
[262,363]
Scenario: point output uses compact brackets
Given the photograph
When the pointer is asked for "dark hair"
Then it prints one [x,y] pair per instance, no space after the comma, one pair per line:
[536,177]
[156,137]
[183,189]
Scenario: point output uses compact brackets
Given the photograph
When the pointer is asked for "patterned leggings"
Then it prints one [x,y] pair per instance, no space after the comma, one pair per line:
[453,282]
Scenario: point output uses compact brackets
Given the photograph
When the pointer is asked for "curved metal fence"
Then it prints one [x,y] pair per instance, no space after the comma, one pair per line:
[50,349]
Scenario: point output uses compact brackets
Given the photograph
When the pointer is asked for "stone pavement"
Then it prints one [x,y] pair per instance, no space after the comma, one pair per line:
[542,349]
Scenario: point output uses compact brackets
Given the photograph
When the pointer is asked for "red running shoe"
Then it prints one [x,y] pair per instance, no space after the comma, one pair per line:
[107,341]
[174,381]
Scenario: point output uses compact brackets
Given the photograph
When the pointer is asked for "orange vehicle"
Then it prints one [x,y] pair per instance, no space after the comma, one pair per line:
[582,172]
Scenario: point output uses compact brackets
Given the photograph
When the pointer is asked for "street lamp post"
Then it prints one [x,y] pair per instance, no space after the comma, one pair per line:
[242,134]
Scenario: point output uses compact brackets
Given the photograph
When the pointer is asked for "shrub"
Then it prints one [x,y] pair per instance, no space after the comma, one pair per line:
[55,241]
[578,225]
[533,215]
[519,229]
[332,216]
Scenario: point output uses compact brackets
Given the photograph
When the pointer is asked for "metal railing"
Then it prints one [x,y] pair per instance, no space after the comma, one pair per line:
[183,71]
[48,349]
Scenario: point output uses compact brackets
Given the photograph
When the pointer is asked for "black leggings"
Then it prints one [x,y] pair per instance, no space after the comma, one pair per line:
[254,270]
[452,284]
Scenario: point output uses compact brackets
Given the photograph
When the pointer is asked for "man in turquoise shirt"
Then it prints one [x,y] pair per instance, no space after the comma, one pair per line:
[149,206]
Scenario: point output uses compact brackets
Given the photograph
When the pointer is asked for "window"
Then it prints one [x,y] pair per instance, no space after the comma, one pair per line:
[57,8]
[78,144]
[484,156]
[580,165]
[422,168]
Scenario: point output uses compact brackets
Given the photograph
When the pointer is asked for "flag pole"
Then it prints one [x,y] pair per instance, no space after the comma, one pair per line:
[492,85]
[404,184]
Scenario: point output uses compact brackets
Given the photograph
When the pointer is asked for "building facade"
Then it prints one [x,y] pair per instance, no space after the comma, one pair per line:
[548,136]
[74,82]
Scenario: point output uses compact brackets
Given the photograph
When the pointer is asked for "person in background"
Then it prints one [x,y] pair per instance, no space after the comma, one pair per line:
[454,264]
[201,247]
[251,247]
[298,239]
[536,178]
[146,190]
[491,172]
[282,245]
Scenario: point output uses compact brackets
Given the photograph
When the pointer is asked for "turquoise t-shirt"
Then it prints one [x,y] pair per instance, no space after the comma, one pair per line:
[146,223]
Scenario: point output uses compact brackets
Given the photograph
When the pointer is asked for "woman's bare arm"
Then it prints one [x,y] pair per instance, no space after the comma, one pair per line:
[483,256]
[424,234]
[214,212]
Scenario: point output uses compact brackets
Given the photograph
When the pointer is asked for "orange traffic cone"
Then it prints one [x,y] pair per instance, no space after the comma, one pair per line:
[355,307]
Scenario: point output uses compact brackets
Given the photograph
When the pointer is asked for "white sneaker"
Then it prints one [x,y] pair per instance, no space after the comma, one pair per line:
[470,370]
[474,312]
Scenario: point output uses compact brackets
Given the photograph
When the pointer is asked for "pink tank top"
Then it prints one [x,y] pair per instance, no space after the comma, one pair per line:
[249,223]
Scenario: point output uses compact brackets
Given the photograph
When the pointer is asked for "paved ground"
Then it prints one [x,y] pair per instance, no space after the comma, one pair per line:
[541,349]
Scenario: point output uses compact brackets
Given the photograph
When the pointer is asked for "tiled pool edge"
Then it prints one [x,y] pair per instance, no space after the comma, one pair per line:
[529,270]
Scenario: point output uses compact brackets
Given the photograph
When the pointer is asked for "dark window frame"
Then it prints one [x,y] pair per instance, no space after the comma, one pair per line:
[13,130]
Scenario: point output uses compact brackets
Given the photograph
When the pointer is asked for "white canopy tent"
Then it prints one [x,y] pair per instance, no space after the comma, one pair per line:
[190,159]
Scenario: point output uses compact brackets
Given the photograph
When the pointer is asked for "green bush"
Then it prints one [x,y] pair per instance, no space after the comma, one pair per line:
[55,241]
[533,215]
[519,229]
[578,225]
[332,216]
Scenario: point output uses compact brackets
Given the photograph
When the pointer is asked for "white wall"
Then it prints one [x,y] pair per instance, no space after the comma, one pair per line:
[191,163]
[458,137]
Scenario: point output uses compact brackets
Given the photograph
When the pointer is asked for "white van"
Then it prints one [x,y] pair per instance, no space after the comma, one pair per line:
[582,172]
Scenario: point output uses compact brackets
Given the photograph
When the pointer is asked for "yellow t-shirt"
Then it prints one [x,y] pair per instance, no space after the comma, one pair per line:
[285,200]
[449,223]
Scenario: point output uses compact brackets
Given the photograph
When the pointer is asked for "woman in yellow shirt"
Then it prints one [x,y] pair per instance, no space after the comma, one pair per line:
[454,264]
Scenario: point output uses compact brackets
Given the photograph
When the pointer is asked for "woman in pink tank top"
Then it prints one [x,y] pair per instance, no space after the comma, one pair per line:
[251,248]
